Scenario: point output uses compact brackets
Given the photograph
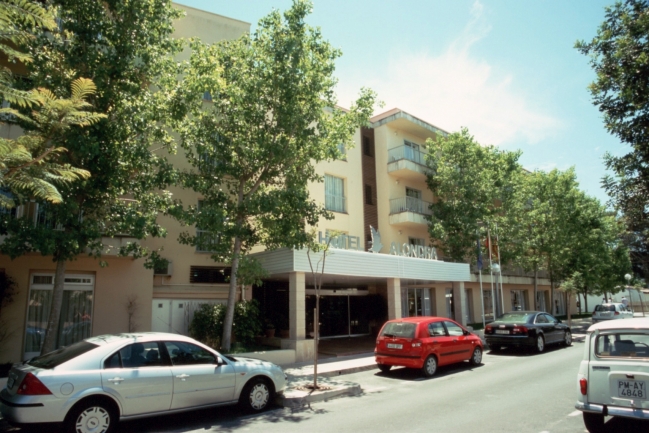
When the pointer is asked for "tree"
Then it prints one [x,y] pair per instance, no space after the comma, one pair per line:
[546,209]
[124,47]
[618,55]
[321,251]
[252,149]
[28,164]
[473,186]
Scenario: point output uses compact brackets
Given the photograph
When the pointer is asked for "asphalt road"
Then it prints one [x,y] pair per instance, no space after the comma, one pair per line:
[513,391]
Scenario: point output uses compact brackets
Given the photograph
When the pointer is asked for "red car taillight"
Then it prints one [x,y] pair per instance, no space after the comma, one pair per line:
[488,329]
[416,343]
[583,386]
[519,330]
[32,386]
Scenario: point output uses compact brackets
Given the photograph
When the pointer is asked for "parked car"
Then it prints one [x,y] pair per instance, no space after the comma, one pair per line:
[90,385]
[614,374]
[533,329]
[425,343]
[609,311]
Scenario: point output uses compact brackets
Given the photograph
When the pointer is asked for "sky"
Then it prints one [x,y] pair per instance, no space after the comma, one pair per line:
[505,69]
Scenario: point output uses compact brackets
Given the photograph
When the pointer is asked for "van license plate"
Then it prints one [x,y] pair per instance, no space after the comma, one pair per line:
[395,346]
[632,389]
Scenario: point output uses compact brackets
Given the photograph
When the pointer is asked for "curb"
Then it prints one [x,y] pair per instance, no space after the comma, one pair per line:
[294,398]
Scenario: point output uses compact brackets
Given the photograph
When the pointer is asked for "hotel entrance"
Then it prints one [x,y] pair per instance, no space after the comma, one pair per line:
[343,313]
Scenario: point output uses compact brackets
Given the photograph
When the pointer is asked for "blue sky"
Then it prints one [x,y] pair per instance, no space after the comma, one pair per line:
[505,69]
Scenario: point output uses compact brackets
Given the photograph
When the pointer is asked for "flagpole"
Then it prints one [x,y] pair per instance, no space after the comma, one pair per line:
[491,273]
[500,269]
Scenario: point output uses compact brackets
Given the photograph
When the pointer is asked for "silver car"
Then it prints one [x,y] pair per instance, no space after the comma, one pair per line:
[611,311]
[90,385]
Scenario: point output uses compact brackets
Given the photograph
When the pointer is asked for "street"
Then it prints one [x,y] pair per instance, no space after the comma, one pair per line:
[512,391]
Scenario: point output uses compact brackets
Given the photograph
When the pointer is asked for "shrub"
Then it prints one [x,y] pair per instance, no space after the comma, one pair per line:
[207,324]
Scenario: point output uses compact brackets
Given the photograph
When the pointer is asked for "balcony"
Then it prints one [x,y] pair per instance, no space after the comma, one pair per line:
[409,211]
[407,163]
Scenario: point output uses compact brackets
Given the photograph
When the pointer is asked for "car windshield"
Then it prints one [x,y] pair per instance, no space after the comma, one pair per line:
[605,308]
[399,329]
[515,317]
[58,357]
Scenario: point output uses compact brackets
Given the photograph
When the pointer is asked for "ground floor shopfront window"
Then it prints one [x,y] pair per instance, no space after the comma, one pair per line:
[75,322]
[415,302]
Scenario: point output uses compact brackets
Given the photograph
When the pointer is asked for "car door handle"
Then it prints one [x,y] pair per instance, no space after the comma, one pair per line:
[435,341]
[455,340]
[182,376]
[116,380]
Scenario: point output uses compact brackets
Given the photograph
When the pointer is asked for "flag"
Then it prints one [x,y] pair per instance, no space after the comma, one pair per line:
[479,256]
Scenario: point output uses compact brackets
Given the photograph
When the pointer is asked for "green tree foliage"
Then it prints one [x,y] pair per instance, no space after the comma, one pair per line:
[473,186]
[619,55]
[252,148]
[123,46]
[28,165]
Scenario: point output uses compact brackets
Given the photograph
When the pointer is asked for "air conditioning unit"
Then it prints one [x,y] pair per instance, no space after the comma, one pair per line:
[164,271]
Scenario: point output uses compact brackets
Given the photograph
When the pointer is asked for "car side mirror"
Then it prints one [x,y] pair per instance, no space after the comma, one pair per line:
[219,361]
[466,332]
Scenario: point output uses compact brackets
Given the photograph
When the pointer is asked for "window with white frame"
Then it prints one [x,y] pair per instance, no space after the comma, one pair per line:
[206,241]
[335,194]
[343,152]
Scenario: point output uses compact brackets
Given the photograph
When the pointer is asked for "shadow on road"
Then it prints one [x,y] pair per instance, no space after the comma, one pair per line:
[411,374]
[526,351]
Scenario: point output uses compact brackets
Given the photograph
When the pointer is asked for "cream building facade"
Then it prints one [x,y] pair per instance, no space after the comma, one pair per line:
[381,183]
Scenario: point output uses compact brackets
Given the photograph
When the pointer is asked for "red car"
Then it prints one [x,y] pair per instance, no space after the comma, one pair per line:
[425,343]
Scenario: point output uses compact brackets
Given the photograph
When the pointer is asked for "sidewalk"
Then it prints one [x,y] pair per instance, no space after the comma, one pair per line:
[300,375]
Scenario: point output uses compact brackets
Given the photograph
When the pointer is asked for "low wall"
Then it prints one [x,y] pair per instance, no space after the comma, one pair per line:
[279,357]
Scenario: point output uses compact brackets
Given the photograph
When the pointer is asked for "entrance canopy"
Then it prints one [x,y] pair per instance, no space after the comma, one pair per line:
[360,267]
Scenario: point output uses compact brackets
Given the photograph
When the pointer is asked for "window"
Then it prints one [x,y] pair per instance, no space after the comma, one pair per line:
[207,96]
[368,194]
[334,194]
[412,152]
[136,355]
[453,329]
[206,241]
[75,323]
[343,152]
[182,353]
[417,241]
[541,319]
[367,146]
[625,345]
[414,193]
[209,274]
[436,329]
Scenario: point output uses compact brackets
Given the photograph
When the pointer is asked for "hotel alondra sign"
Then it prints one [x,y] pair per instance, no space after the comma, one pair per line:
[347,242]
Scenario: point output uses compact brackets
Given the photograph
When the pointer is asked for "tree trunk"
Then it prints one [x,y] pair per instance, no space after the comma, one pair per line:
[316,338]
[55,309]
[232,297]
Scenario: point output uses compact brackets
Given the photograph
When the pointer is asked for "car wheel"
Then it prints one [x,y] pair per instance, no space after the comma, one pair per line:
[430,366]
[91,416]
[594,422]
[567,338]
[476,358]
[256,395]
[540,343]
[384,368]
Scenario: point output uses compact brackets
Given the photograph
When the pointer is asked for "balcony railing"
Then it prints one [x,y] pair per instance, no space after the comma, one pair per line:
[335,203]
[406,152]
[410,204]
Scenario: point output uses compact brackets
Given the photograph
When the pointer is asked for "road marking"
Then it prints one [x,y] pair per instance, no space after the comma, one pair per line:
[575,413]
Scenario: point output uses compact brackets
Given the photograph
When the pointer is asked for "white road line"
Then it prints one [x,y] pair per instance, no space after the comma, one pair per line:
[575,413]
